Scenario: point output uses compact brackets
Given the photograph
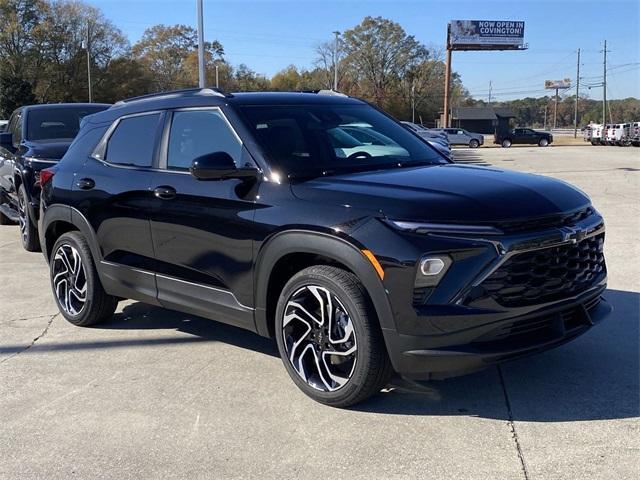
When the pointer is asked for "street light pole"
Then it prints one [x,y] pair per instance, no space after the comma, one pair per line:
[201,74]
[335,61]
[217,82]
[413,101]
[89,61]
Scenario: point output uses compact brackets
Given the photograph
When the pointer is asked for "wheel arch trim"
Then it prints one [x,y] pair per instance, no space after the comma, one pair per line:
[58,212]
[312,242]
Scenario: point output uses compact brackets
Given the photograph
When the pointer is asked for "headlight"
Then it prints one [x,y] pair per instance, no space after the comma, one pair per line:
[431,269]
[423,227]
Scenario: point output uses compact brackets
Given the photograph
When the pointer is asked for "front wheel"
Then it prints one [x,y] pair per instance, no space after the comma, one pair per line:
[28,230]
[474,143]
[506,143]
[75,282]
[329,338]
[543,142]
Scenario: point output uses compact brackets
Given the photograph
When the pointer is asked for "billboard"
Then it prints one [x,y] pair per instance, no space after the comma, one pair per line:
[485,34]
[557,84]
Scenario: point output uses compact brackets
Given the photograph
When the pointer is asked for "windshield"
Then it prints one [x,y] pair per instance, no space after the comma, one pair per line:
[57,122]
[305,140]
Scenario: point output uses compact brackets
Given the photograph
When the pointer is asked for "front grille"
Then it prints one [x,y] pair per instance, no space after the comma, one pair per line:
[545,275]
[563,220]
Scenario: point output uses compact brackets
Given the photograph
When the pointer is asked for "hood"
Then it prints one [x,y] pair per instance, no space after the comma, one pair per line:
[447,193]
[48,149]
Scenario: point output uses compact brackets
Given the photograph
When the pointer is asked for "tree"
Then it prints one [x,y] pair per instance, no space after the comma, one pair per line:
[170,54]
[20,26]
[379,53]
[63,41]
[14,92]
[246,80]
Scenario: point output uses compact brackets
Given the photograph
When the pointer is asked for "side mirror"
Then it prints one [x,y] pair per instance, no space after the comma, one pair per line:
[6,139]
[219,166]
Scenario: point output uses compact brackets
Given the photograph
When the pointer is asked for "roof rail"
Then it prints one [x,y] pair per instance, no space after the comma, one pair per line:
[326,92]
[187,92]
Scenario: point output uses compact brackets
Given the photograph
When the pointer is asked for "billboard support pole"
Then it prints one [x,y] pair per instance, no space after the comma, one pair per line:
[447,80]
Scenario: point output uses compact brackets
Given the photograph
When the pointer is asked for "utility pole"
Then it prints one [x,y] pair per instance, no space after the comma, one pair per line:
[604,86]
[489,93]
[545,116]
[575,112]
[413,101]
[217,82]
[201,74]
[335,61]
[88,40]
[555,111]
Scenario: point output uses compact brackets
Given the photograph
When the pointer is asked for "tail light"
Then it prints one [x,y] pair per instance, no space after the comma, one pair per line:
[46,175]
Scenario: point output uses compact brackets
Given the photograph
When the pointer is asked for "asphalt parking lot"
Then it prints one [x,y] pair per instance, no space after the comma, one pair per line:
[157,394]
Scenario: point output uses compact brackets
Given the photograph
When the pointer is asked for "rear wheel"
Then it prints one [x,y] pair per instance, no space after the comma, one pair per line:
[506,143]
[75,282]
[474,143]
[543,142]
[28,230]
[329,338]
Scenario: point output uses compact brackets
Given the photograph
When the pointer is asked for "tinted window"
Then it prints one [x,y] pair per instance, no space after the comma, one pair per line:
[197,133]
[133,140]
[307,139]
[17,129]
[57,122]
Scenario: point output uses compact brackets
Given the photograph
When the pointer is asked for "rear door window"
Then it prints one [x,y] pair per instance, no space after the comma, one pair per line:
[133,141]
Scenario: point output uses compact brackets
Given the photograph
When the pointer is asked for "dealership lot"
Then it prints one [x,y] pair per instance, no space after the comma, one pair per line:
[154,393]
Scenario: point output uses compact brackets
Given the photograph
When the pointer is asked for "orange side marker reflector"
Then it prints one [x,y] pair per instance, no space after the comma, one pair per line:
[374,261]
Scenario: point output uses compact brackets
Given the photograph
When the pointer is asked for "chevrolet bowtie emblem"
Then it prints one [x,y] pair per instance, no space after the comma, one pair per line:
[573,235]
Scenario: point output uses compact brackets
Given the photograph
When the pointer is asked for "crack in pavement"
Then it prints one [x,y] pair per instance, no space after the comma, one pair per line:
[44,332]
[24,319]
[512,426]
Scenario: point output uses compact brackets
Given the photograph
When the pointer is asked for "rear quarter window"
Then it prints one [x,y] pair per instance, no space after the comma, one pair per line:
[132,143]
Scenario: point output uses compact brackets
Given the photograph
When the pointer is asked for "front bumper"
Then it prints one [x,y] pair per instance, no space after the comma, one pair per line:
[425,357]
[461,326]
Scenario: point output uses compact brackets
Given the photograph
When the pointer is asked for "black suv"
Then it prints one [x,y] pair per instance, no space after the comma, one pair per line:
[37,136]
[522,136]
[265,211]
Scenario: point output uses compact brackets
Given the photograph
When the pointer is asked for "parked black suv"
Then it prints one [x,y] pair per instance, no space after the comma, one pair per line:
[261,210]
[522,136]
[37,137]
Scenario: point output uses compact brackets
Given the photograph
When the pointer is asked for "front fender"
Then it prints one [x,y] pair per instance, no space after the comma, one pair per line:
[338,249]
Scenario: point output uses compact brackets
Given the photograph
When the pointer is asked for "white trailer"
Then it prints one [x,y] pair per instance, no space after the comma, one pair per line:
[634,133]
[595,134]
[618,134]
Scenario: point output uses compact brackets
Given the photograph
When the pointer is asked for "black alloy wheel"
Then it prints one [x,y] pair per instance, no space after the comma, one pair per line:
[329,338]
[75,282]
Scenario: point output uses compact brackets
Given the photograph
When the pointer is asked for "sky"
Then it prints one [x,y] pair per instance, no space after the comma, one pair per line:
[269,35]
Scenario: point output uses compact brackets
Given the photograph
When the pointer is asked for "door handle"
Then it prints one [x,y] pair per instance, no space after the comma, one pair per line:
[85,184]
[164,192]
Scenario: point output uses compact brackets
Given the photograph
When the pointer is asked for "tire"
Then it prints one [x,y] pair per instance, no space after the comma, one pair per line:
[86,304]
[506,143]
[543,142]
[28,230]
[357,337]
[473,143]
